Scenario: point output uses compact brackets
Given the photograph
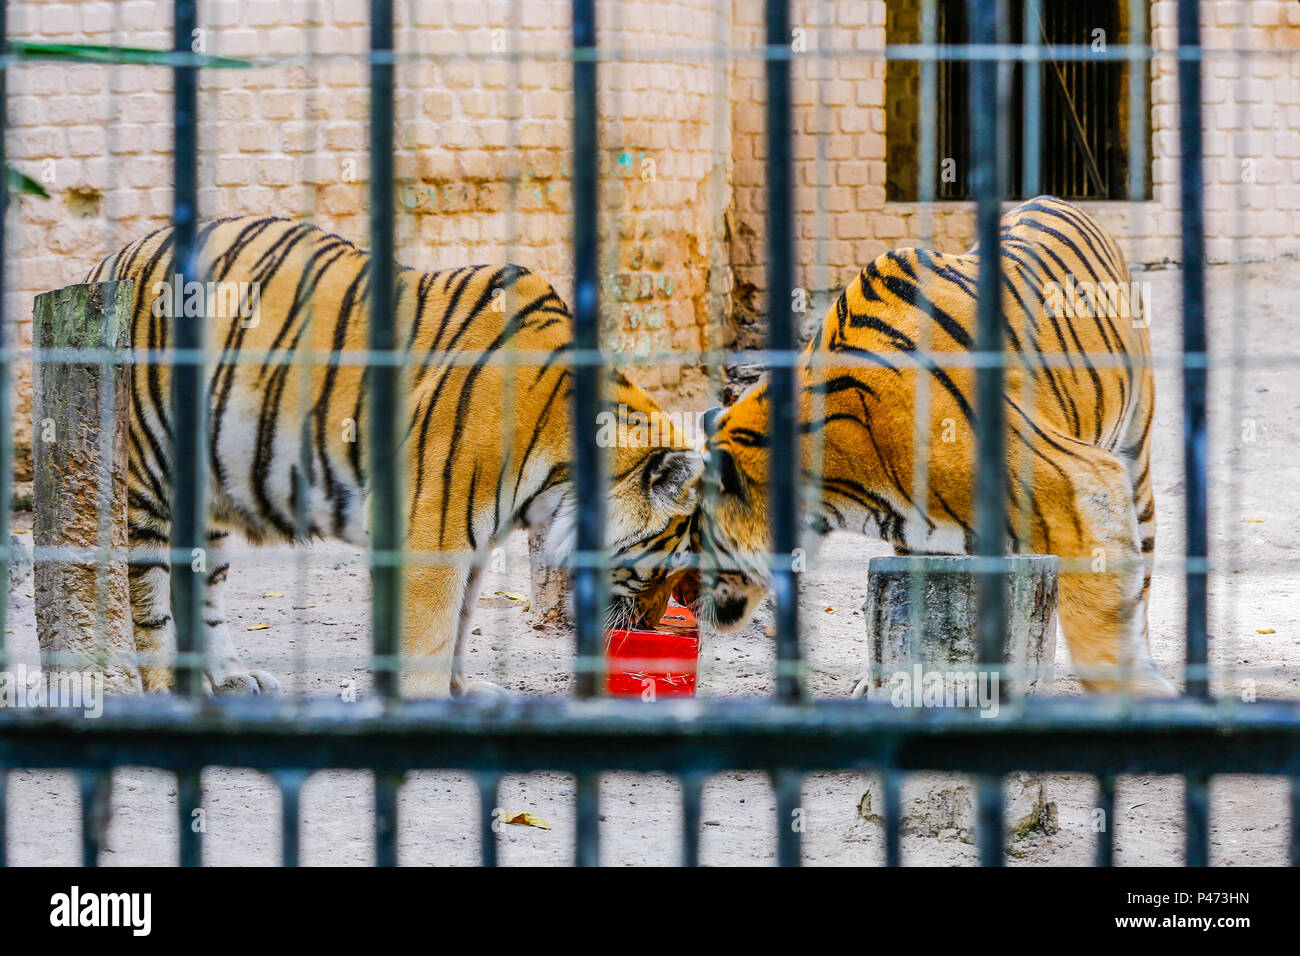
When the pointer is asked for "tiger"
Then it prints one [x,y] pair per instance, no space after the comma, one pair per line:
[485,425]
[1078,446]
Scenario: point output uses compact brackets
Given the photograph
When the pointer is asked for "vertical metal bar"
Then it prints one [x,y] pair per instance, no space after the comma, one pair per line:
[790,822]
[489,789]
[986,106]
[587,807]
[1195,371]
[382,378]
[1196,804]
[189,418]
[782,336]
[1031,174]
[388,786]
[892,788]
[189,812]
[692,800]
[1106,811]
[4,806]
[927,177]
[290,783]
[96,792]
[989,825]
[588,582]
[1295,821]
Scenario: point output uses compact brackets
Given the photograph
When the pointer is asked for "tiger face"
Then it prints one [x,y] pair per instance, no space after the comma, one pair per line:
[731,533]
[651,506]
[649,534]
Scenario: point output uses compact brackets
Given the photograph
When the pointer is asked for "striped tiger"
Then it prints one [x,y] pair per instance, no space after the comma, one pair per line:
[486,433]
[1079,405]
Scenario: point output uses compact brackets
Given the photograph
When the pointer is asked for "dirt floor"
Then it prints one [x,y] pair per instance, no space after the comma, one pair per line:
[315,604]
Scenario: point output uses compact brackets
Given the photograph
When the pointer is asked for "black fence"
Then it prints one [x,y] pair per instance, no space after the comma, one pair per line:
[1196,735]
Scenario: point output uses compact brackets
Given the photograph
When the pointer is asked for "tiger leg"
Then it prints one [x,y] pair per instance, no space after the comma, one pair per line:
[1137,462]
[223,672]
[434,596]
[460,685]
[149,585]
[1087,518]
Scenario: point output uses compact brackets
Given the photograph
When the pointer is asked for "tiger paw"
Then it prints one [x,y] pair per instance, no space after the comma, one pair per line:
[861,684]
[239,682]
[479,690]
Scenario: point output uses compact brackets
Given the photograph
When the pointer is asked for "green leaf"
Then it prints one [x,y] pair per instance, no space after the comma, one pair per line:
[90,53]
[20,183]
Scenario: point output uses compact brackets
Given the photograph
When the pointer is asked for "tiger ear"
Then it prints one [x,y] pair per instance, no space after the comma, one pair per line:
[672,472]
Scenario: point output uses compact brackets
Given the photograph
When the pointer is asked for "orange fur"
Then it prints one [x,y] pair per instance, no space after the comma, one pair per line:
[486,427]
[1079,404]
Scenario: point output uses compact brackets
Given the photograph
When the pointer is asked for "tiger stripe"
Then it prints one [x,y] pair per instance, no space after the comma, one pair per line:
[1078,451]
[287,446]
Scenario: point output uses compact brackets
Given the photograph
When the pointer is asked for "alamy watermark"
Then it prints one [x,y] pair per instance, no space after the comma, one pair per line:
[74,690]
[1113,300]
[939,688]
[212,300]
[657,429]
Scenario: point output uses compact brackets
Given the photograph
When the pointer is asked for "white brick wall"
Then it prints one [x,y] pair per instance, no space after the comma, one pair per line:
[1252,127]
[290,138]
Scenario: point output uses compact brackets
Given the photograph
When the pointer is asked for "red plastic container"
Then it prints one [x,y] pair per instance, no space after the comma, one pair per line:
[664,659]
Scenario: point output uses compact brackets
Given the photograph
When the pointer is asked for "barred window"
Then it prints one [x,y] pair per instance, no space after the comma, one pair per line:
[1084,133]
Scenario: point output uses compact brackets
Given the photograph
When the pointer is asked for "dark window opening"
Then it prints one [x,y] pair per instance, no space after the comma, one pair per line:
[1084,132]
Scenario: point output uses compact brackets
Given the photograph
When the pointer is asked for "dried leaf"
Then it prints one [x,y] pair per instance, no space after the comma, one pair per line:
[1254,520]
[513,595]
[273,594]
[1265,630]
[525,820]
[830,610]
[258,627]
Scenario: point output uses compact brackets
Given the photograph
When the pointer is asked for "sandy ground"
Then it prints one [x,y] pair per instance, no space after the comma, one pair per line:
[317,641]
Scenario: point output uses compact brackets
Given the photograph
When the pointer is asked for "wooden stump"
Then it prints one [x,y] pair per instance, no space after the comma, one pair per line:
[928,660]
[83,610]
[549,585]
[945,635]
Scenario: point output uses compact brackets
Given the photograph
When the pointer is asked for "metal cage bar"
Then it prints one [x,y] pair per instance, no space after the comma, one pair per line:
[382,380]
[1195,737]
[782,337]
[987,104]
[1195,374]
[188,390]
[588,584]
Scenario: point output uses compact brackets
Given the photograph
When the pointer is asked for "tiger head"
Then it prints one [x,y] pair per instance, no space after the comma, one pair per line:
[652,504]
[731,536]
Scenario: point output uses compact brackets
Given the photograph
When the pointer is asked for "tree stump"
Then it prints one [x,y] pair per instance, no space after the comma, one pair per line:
[932,661]
[548,585]
[945,636]
[83,609]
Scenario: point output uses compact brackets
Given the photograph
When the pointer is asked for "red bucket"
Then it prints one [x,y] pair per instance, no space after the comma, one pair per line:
[654,664]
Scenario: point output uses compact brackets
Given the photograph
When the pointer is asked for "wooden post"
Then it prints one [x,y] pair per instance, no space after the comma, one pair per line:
[548,586]
[924,657]
[83,609]
[945,635]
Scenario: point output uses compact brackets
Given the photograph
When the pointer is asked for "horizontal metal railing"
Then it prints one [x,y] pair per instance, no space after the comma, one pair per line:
[1105,738]
[787,737]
